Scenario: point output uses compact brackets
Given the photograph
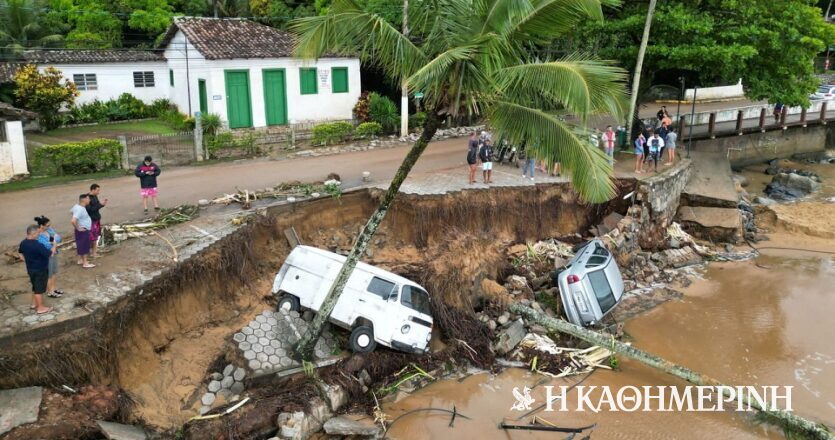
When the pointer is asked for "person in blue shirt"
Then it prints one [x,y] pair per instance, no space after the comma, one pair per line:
[50,239]
[36,256]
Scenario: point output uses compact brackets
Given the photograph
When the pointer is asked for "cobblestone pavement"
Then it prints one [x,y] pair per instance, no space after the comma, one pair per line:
[267,341]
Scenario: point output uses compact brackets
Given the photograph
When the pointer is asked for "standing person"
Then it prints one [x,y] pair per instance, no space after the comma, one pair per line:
[670,146]
[667,120]
[529,162]
[472,156]
[640,141]
[147,172]
[485,154]
[36,257]
[50,239]
[661,112]
[609,144]
[81,223]
[655,146]
[778,111]
[94,209]
[662,133]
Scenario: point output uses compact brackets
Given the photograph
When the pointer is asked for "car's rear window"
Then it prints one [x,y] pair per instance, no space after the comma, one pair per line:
[416,299]
[602,290]
[381,287]
[823,89]
[595,261]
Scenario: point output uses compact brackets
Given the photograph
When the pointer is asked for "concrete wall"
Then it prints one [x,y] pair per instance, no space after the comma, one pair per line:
[325,105]
[722,92]
[757,148]
[748,112]
[12,152]
[113,79]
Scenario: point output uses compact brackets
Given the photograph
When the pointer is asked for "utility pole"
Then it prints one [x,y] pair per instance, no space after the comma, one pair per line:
[636,77]
[404,92]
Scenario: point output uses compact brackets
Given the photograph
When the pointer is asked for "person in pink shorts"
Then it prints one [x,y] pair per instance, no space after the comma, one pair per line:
[147,172]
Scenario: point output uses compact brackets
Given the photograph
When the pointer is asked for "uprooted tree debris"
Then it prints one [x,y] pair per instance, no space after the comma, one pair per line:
[286,190]
[785,419]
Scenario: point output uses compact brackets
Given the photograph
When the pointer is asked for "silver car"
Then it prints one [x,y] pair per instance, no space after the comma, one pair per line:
[590,284]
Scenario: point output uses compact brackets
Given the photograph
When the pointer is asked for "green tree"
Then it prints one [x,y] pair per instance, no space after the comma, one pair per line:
[20,27]
[770,44]
[89,23]
[151,16]
[470,58]
[44,93]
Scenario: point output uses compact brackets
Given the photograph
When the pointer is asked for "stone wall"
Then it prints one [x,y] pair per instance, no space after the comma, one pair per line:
[757,148]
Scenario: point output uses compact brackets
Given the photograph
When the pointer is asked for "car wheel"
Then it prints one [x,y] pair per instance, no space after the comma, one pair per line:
[288,303]
[362,340]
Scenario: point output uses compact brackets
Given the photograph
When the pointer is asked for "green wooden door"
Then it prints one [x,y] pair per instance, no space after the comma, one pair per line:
[238,104]
[204,101]
[275,97]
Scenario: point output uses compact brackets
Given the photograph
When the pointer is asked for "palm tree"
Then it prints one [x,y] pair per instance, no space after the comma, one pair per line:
[472,57]
[19,27]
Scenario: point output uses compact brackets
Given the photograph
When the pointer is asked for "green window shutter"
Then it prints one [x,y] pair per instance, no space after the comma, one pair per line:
[171,77]
[339,78]
[307,78]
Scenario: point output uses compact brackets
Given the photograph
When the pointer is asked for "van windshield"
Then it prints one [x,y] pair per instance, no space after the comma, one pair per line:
[416,299]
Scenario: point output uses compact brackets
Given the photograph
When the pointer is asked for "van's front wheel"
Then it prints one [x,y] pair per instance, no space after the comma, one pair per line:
[362,339]
[288,303]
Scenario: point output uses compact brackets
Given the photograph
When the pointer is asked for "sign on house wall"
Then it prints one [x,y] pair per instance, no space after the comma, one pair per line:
[324,78]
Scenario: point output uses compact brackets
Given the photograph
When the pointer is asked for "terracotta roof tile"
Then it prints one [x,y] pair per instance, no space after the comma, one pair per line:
[230,38]
[67,56]
[7,71]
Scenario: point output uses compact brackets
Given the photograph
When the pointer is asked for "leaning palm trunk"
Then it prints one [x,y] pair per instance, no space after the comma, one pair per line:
[308,341]
[786,419]
[639,65]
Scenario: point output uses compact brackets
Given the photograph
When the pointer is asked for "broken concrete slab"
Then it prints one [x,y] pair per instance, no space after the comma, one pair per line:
[352,425]
[719,225]
[18,407]
[116,431]
[510,337]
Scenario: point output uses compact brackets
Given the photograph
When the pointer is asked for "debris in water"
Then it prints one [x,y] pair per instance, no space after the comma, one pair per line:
[552,428]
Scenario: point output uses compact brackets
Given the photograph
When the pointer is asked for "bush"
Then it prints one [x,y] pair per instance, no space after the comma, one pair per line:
[177,120]
[227,141]
[125,107]
[383,110]
[361,108]
[417,120]
[210,123]
[368,129]
[44,93]
[160,106]
[78,158]
[332,132]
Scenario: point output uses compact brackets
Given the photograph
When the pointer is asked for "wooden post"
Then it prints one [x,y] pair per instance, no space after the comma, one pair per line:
[125,158]
[711,125]
[783,117]
[803,117]
[823,113]
[739,122]
[762,120]
[776,415]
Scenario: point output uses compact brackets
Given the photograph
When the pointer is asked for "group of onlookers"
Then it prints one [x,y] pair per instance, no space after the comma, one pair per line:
[651,143]
[39,249]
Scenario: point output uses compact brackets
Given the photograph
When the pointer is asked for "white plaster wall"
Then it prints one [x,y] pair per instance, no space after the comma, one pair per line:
[13,152]
[325,105]
[722,92]
[113,79]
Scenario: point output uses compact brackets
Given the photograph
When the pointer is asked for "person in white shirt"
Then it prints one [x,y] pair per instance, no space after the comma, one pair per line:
[655,143]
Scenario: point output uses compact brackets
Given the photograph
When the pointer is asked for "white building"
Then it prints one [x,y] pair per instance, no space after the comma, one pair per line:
[12,145]
[236,68]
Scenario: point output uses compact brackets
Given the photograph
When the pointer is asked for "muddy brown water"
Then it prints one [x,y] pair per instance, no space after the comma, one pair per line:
[761,322]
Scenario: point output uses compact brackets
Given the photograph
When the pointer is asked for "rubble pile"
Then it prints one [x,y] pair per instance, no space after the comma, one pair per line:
[445,133]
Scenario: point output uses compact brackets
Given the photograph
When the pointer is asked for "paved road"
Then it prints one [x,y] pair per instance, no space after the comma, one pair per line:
[188,184]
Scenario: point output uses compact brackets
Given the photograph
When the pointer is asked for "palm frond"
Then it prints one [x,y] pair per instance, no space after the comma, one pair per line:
[553,140]
[581,85]
[348,30]
[550,18]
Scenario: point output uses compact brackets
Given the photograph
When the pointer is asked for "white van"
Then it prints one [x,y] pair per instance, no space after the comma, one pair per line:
[377,306]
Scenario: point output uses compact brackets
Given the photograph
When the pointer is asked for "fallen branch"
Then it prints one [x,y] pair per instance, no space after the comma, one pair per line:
[785,418]
[171,245]
[425,410]
[545,428]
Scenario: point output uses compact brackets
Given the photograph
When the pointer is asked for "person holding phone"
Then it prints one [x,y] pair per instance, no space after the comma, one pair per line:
[50,239]
[94,209]
[147,172]
[82,223]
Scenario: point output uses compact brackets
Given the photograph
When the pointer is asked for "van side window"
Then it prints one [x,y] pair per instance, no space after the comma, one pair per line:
[381,287]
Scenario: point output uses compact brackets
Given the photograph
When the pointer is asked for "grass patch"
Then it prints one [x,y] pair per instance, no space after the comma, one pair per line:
[38,182]
[87,132]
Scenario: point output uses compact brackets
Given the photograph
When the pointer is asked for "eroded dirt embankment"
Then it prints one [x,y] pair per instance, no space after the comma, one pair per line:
[159,342]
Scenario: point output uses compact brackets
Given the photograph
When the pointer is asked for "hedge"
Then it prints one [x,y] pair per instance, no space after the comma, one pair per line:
[78,157]
[368,129]
[332,132]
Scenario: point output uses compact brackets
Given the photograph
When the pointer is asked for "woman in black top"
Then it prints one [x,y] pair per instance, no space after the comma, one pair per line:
[472,155]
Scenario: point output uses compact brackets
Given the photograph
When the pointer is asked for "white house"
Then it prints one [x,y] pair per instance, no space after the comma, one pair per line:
[12,146]
[239,69]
